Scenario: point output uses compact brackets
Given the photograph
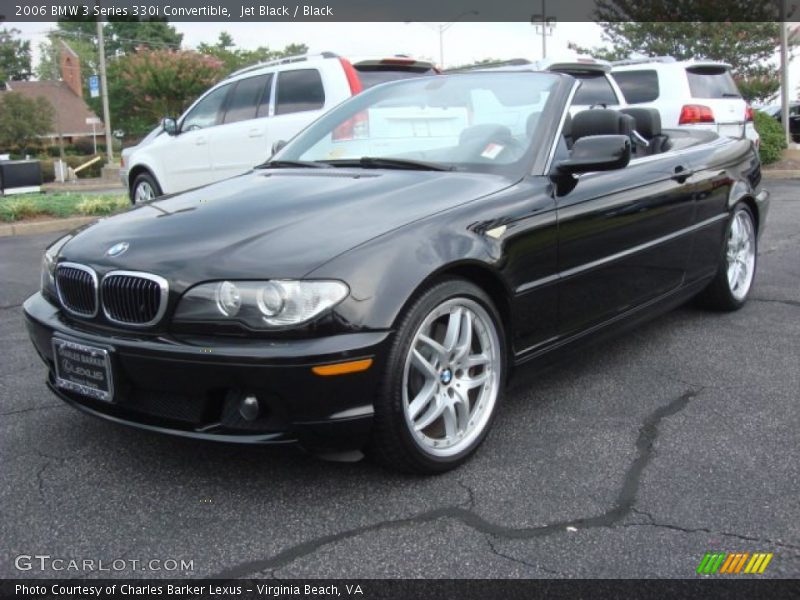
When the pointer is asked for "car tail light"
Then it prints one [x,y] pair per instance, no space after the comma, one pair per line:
[355,128]
[352,76]
[695,113]
[748,114]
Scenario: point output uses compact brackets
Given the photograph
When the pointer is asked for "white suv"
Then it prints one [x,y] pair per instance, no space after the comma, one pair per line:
[234,125]
[694,93]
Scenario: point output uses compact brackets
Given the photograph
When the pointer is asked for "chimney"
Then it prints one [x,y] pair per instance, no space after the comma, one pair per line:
[71,69]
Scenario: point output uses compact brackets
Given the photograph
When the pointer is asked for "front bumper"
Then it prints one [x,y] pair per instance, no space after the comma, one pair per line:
[193,387]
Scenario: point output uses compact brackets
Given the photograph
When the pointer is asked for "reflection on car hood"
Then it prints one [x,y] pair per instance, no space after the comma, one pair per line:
[271,223]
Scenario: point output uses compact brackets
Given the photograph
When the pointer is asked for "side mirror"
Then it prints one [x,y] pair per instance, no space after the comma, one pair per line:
[278,146]
[170,125]
[597,153]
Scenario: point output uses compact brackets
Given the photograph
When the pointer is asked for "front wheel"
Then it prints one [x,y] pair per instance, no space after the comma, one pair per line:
[443,382]
[144,189]
[737,264]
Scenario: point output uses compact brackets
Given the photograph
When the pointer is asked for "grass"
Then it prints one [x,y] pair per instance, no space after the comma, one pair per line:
[27,206]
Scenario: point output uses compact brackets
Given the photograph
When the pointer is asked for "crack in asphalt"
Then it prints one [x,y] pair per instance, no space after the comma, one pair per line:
[10,306]
[673,527]
[623,506]
[34,408]
[793,303]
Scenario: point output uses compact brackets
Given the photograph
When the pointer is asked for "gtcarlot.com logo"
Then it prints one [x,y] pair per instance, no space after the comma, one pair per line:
[45,562]
[734,563]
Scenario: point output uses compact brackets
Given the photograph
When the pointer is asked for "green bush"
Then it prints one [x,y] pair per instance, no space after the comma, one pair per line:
[773,140]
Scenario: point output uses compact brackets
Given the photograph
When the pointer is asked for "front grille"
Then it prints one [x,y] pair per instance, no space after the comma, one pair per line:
[130,298]
[77,289]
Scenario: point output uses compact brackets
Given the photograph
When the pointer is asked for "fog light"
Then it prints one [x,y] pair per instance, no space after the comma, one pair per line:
[249,408]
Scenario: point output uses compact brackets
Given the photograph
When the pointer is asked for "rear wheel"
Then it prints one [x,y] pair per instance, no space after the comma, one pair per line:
[144,188]
[443,381]
[737,265]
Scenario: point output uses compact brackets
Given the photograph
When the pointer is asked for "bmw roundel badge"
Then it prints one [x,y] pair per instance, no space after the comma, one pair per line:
[117,249]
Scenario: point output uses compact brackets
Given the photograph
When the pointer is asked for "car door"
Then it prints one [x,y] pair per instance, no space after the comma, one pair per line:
[623,239]
[240,142]
[186,159]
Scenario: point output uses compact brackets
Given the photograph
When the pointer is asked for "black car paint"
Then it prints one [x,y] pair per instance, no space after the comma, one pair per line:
[621,246]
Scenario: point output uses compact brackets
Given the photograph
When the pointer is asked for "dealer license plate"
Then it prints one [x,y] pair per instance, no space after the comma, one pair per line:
[83,369]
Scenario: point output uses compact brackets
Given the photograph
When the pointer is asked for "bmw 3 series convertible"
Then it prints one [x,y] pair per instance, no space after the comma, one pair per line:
[374,284]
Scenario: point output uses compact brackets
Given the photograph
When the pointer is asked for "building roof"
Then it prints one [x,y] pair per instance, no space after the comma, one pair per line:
[71,111]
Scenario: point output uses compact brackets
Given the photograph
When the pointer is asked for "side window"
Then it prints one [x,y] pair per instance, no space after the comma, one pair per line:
[595,89]
[638,86]
[245,99]
[299,90]
[206,112]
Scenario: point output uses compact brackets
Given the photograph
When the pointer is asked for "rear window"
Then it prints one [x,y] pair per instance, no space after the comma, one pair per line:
[298,91]
[638,86]
[711,82]
[371,75]
[595,89]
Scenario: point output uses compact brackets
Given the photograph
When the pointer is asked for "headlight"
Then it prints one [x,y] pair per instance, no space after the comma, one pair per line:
[49,265]
[261,304]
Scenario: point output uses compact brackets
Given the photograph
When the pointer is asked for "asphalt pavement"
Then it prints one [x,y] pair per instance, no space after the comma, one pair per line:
[631,459]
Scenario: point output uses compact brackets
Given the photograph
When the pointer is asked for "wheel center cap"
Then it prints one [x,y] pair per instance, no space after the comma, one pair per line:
[446,376]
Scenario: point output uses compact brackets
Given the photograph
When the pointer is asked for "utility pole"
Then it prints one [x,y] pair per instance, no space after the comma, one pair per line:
[546,23]
[104,92]
[785,75]
[442,27]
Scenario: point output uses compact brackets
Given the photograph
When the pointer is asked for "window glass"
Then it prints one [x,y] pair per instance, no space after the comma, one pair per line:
[298,91]
[638,86]
[206,112]
[711,82]
[595,89]
[245,99]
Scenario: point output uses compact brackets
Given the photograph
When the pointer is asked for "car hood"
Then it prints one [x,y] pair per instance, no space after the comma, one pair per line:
[271,223]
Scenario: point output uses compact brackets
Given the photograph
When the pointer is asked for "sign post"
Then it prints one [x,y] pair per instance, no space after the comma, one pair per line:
[93,121]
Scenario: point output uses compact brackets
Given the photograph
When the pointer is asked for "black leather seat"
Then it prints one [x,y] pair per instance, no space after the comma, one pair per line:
[648,125]
[600,121]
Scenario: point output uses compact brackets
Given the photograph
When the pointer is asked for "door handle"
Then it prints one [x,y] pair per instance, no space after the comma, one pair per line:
[682,173]
[254,133]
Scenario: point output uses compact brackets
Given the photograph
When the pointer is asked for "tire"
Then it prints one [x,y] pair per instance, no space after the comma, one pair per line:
[144,188]
[731,285]
[438,398]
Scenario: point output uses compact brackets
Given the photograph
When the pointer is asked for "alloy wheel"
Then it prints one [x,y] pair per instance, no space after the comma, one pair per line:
[741,254]
[451,378]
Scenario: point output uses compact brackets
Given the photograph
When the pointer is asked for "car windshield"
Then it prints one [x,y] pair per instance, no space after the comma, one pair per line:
[487,122]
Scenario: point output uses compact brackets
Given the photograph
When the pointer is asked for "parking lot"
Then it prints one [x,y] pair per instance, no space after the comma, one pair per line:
[632,459]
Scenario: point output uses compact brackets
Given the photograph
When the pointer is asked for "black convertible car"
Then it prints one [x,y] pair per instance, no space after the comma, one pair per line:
[375,283]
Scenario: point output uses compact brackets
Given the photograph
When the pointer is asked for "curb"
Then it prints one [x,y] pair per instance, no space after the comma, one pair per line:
[43,226]
[780,173]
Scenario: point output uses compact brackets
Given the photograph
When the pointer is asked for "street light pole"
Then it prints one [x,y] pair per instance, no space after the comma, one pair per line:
[785,75]
[104,91]
[545,22]
[442,28]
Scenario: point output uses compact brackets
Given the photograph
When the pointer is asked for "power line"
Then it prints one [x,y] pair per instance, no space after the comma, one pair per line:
[81,34]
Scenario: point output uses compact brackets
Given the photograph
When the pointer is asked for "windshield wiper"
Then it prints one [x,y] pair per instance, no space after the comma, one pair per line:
[287,164]
[378,162]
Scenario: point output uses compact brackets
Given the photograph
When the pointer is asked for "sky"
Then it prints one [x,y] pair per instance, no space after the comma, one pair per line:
[464,42]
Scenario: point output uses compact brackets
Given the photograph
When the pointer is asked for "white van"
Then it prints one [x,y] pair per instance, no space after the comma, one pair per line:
[233,126]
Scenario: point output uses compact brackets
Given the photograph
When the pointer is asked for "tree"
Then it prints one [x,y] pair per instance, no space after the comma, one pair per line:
[688,29]
[132,35]
[150,84]
[234,58]
[22,120]
[15,56]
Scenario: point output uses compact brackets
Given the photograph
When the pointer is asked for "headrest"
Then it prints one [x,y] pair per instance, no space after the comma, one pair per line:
[648,120]
[600,121]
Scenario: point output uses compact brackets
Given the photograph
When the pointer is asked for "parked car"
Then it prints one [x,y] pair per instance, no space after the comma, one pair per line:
[598,88]
[699,94]
[377,292]
[774,111]
[234,125]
